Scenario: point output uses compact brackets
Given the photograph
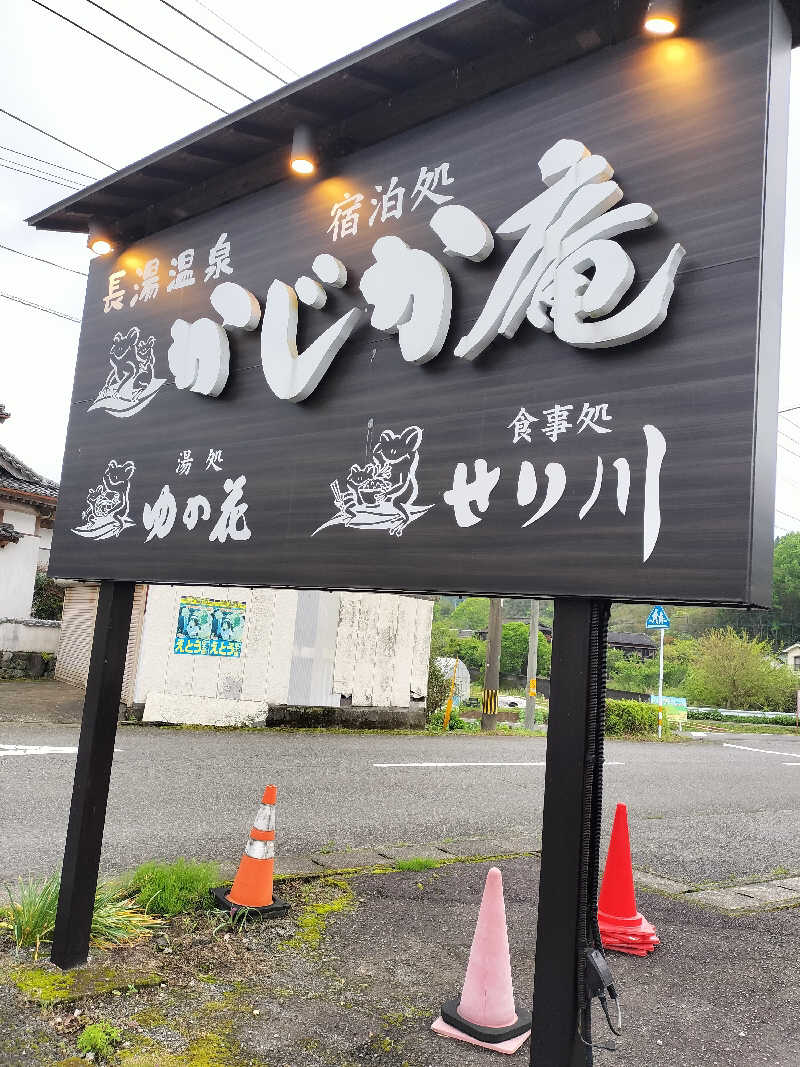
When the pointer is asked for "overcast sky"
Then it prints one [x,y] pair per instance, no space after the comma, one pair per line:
[58,78]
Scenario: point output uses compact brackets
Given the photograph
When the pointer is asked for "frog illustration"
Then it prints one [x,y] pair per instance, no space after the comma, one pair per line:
[146,360]
[396,457]
[123,359]
[365,488]
[116,484]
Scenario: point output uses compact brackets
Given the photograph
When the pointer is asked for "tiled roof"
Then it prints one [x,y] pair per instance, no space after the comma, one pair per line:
[8,535]
[14,474]
[638,640]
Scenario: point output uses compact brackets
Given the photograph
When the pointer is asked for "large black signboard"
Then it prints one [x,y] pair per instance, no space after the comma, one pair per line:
[616,444]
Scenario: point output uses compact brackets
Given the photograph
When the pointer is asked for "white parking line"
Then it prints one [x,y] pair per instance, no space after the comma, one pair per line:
[538,763]
[34,750]
[791,764]
[39,750]
[766,751]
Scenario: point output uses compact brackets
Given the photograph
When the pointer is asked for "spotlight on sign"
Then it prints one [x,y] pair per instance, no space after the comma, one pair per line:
[100,240]
[663,17]
[304,156]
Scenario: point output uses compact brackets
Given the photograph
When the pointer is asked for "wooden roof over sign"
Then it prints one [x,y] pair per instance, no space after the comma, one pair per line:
[466,51]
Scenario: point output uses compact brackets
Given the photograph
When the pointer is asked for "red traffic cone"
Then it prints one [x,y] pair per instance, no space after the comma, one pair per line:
[622,927]
[486,1014]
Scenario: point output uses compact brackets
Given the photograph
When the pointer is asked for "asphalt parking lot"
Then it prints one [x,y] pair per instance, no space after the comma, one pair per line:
[703,811]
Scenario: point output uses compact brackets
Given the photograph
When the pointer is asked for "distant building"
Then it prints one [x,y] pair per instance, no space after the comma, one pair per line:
[351,658]
[27,513]
[791,656]
[641,645]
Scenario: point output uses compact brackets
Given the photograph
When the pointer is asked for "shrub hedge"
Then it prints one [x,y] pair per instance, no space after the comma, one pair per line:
[632,717]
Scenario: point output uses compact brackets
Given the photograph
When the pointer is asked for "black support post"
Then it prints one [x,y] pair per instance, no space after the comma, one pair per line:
[92,775]
[564,877]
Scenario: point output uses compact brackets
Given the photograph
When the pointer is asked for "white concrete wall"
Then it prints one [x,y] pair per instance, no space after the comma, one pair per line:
[18,565]
[382,648]
[302,648]
[45,541]
[23,635]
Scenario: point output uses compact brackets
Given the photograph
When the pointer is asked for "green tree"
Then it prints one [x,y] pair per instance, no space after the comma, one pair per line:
[731,670]
[786,576]
[442,608]
[444,640]
[544,655]
[514,648]
[48,597]
[471,614]
[443,643]
[472,652]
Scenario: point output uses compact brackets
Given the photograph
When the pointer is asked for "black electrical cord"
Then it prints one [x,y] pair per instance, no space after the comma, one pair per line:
[593,975]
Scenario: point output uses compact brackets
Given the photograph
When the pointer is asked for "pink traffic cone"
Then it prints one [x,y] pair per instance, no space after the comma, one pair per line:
[486,1014]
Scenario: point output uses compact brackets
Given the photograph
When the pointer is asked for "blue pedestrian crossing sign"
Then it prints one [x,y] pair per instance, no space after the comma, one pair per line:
[657,619]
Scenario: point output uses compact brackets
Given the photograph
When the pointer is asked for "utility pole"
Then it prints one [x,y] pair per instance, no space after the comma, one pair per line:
[491,673]
[533,654]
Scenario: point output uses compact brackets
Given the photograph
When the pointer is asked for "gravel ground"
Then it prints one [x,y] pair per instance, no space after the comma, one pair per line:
[357,971]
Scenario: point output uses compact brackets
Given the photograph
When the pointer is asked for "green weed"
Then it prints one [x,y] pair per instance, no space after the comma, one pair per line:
[31,914]
[99,1038]
[172,888]
[417,863]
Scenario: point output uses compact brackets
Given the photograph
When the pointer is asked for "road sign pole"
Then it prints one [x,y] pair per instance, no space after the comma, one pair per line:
[92,775]
[661,684]
[571,777]
[533,656]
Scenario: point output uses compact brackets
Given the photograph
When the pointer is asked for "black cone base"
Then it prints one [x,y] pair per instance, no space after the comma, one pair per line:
[274,910]
[493,1035]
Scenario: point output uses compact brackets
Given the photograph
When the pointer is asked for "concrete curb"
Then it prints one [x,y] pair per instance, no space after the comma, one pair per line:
[749,897]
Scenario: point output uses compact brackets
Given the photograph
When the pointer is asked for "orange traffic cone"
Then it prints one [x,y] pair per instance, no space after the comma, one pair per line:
[252,887]
[622,927]
[486,1014]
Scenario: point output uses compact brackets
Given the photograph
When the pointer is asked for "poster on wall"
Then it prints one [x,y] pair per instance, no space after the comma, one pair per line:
[208,627]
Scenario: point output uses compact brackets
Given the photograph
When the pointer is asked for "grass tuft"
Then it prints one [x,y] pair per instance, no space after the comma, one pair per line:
[172,888]
[99,1039]
[416,863]
[31,914]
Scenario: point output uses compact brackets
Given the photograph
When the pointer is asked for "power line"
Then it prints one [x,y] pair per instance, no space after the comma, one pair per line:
[53,137]
[789,450]
[786,515]
[783,411]
[30,169]
[49,163]
[49,262]
[32,174]
[39,307]
[241,33]
[221,40]
[791,423]
[166,48]
[128,55]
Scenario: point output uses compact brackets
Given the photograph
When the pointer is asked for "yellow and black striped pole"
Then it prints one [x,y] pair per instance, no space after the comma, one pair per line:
[489,702]
[491,676]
